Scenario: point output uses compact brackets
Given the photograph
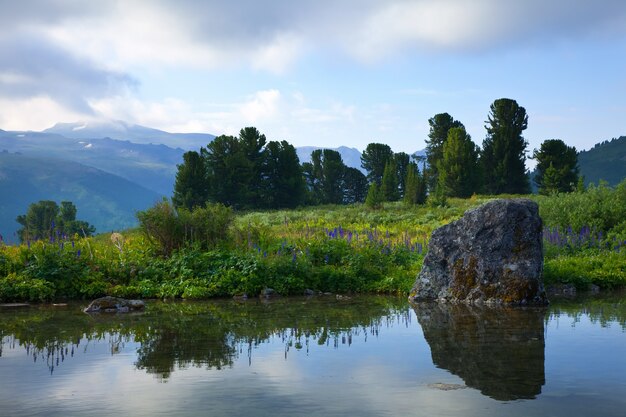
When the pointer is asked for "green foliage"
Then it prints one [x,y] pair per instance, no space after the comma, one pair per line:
[45,221]
[354,186]
[402,161]
[459,171]
[375,197]
[604,268]
[325,177]
[599,207]
[503,155]
[389,183]
[374,159]
[190,187]
[415,192]
[172,229]
[330,249]
[557,167]
[439,124]
[282,183]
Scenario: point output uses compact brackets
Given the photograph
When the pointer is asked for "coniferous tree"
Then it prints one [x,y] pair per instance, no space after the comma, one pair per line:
[354,186]
[282,184]
[503,155]
[389,183]
[190,187]
[324,176]
[374,199]
[557,167]
[459,171]
[374,159]
[439,124]
[402,160]
[415,188]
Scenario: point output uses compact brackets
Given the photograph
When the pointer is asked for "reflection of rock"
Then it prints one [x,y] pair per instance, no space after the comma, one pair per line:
[114,305]
[499,351]
[493,254]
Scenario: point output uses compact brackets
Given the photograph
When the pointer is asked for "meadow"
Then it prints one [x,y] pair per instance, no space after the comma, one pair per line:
[338,249]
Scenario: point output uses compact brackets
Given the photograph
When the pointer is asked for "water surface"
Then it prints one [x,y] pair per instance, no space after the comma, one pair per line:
[366,355]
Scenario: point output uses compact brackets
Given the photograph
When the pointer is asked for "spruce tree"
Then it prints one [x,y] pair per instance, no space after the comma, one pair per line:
[459,172]
[504,149]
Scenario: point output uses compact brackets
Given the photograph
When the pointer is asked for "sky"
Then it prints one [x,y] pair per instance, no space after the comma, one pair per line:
[317,72]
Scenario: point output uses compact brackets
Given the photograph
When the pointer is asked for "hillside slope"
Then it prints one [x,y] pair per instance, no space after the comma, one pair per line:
[104,200]
[605,161]
[152,166]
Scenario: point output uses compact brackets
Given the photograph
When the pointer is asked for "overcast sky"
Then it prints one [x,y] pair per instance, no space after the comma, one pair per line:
[325,73]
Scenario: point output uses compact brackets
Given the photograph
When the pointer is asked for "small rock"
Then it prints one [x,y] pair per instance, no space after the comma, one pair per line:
[269,293]
[563,290]
[309,292]
[242,297]
[594,289]
[114,305]
[342,297]
[446,387]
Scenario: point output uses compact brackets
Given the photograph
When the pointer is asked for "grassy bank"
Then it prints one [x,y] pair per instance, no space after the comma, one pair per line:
[340,249]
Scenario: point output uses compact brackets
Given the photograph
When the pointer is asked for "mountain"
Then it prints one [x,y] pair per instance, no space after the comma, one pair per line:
[351,156]
[104,200]
[152,166]
[605,161]
[117,129]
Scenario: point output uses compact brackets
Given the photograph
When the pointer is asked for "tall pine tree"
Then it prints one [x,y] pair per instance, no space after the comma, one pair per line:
[190,186]
[504,149]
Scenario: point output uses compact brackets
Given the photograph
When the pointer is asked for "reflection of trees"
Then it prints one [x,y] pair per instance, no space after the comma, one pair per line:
[499,351]
[603,309]
[205,334]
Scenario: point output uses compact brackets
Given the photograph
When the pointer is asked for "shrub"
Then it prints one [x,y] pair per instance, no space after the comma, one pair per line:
[173,229]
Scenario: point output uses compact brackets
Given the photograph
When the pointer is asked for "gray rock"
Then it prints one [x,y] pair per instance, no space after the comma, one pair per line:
[561,290]
[114,305]
[269,293]
[309,292]
[492,255]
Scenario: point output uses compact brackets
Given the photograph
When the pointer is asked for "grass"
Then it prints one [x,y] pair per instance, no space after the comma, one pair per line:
[340,249]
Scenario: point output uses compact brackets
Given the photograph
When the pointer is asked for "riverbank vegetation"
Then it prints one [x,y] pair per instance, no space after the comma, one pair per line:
[246,215]
[214,252]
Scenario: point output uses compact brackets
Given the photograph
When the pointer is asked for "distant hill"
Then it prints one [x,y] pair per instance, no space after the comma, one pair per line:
[350,156]
[116,129]
[605,161]
[152,166]
[104,200]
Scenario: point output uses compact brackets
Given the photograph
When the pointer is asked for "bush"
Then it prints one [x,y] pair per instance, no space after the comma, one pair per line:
[173,229]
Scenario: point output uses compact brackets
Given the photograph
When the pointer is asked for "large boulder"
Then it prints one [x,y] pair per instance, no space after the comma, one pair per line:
[114,305]
[493,255]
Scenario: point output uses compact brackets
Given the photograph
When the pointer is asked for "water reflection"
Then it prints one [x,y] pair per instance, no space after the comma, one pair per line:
[499,351]
[213,335]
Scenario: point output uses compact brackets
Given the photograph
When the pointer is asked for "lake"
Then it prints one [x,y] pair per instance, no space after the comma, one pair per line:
[365,356]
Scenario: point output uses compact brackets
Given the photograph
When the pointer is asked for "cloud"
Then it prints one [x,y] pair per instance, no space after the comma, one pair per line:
[264,105]
[32,68]
[273,35]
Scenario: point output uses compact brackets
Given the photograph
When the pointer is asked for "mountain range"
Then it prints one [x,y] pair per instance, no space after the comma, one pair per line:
[112,169]
[109,170]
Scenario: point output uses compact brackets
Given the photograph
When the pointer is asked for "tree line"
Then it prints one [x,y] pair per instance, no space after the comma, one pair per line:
[249,172]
